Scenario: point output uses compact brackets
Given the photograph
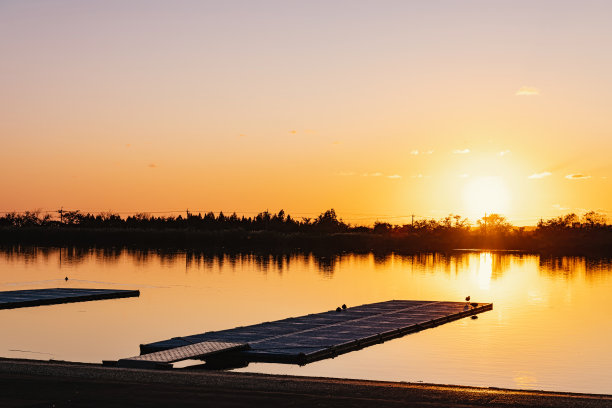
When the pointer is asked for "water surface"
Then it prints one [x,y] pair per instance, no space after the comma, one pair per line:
[550,328]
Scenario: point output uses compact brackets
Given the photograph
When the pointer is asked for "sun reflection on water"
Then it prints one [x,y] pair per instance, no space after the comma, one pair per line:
[525,380]
[485,271]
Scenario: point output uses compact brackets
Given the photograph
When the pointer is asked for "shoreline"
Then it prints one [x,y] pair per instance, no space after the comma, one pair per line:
[578,242]
[59,383]
[280,250]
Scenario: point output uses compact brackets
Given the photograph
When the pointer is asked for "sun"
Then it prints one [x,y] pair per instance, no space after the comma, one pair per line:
[485,195]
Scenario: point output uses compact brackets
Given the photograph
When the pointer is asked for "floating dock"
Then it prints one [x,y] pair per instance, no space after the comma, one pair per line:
[300,340]
[38,297]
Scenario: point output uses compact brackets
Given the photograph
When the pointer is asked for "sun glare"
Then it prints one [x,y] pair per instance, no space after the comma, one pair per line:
[485,195]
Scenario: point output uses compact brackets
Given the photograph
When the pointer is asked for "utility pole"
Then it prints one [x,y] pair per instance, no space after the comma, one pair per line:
[61,213]
[412,223]
[485,223]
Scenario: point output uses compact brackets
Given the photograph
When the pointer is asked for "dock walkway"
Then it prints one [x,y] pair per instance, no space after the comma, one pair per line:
[300,340]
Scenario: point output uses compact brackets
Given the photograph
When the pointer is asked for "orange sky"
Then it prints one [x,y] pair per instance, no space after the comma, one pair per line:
[377,109]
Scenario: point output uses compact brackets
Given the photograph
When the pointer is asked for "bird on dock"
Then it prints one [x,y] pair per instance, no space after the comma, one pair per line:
[344,307]
[338,309]
[474,304]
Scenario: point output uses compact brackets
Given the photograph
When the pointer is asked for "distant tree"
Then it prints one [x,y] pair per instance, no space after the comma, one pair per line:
[264,216]
[262,220]
[571,220]
[142,216]
[454,221]
[382,227]
[328,222]
[593,219]
[72,217]
[280,216]
[494,223]
[109,216]
[426,225]
[561,222]
[461,223]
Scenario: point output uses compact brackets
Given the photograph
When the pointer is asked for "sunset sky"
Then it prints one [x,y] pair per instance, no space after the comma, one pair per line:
[379,109]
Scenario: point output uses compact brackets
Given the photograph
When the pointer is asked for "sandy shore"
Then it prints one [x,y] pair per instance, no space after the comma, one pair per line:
[28,383]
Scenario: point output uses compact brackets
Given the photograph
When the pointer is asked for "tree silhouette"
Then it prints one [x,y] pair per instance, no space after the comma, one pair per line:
[589,233]
[593,219]
[328,222]
[494,223]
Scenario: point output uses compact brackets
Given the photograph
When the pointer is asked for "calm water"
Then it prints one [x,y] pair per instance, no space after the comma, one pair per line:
[550,328]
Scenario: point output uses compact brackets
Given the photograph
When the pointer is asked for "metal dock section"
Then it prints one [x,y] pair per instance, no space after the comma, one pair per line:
[300,340]
[38,297]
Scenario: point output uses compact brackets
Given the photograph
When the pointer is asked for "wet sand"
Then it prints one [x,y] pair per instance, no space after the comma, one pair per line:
[31,383]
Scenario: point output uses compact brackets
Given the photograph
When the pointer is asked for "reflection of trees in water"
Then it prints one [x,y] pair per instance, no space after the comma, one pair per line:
[381,259]
[326,263]
[27,255]
[427,262]
[500,263]
[263,262]
[462,262]
[139,258]
[145,257]
[571,267]
[560,266]
[34,255]
[107,255]
[75,255]
[167,259]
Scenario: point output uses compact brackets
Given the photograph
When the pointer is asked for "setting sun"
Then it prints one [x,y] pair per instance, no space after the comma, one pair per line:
[485,195]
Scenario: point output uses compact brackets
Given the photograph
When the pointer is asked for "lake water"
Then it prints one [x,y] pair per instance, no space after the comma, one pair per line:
[550,327]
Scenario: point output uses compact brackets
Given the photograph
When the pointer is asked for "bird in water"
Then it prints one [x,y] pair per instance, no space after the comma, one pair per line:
[66,279]
[467,298]
[474,317]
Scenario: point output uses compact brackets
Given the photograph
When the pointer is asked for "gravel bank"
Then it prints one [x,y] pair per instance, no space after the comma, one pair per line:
[31,383]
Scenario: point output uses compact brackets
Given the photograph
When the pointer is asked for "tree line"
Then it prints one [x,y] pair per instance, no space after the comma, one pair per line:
[568,234]
[326,222]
